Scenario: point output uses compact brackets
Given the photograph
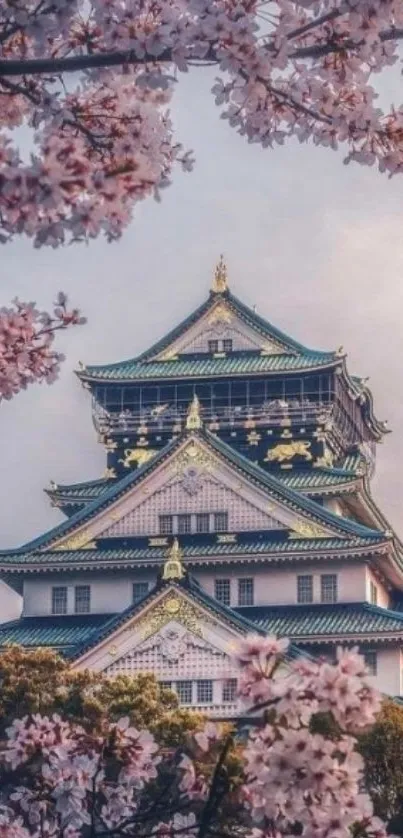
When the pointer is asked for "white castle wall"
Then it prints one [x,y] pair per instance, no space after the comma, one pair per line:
[111,594]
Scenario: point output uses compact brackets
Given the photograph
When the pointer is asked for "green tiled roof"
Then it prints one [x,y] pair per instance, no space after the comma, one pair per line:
[86,491]
[295,356]
[301,621]
[314,478]
[58,632]
[73,634]
[127,555]
[207,367]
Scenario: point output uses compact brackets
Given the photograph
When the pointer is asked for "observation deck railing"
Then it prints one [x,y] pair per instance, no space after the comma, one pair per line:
[167,418]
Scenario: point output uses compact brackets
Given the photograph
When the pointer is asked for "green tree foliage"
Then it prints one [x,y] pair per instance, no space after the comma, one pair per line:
[42,682]
[382,750]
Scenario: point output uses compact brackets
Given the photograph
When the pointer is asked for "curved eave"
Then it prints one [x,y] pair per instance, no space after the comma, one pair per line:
[78,493]
[91,375]
[301,551]
[361,393]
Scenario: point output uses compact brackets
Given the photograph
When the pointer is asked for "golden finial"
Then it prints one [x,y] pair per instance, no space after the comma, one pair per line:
[173,566]
[220,277]
[193,421]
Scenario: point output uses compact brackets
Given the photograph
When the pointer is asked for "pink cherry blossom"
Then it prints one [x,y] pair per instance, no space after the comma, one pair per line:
[93,81]
[59,781]
[26,344]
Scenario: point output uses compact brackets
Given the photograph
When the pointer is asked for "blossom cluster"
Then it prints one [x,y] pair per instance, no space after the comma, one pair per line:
[26,343]
[60,780]
[104,140]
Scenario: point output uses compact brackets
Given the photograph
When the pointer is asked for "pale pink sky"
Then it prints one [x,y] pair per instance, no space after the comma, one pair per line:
[316,245]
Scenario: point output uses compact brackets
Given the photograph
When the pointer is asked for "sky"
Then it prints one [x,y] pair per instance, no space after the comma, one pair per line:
[315,245]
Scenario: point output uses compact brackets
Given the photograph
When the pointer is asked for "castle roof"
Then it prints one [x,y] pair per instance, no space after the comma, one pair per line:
[330,480]
[255,475]
[310,624]
[289,356]
[274,353]
[336,621]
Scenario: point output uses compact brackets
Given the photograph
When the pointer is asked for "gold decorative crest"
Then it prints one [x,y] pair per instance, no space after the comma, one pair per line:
[253,438]
[220,314]
[81,541]
[220,277]
[173,568]
[193,420]
[306,529]
[169,355]
[287,451]
[192,456]
[136,456]
[109,473]
[170,607]
[325,461]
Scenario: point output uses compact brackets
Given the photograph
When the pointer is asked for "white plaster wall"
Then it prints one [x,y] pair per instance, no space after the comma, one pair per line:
[383,595]
[10,604]
[109,594]
[388,677]
[279,586]
[113,593]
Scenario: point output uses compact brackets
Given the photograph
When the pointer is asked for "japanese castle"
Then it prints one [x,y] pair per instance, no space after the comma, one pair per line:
[236,499]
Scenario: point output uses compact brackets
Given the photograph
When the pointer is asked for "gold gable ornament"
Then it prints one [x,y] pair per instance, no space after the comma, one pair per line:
[306,529]
[193,421]
[173,568]
[220,277]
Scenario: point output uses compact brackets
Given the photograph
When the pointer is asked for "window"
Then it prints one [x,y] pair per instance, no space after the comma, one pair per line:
[373,593]
[328,587]
[203,522]
[223,591]
[165,685]
[184,691]
[82,599]
[371,662]
[184,524]
[229,689]
[204,692]
[245,592]
[304,589]
[221,521]
[213,346]
[166,524]
[140,589]
[59,600]
[227,345]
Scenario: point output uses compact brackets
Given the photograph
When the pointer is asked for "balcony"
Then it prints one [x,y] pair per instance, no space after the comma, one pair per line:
[171,419]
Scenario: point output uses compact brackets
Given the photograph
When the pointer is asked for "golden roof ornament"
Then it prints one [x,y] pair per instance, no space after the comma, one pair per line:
[173,568]
[193,421]
[220,281]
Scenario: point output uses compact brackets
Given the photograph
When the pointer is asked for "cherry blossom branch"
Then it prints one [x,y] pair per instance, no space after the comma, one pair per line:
[26,344]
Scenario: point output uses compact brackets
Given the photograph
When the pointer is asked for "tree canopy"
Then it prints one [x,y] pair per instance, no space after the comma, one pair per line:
[42,682]
[63,779]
